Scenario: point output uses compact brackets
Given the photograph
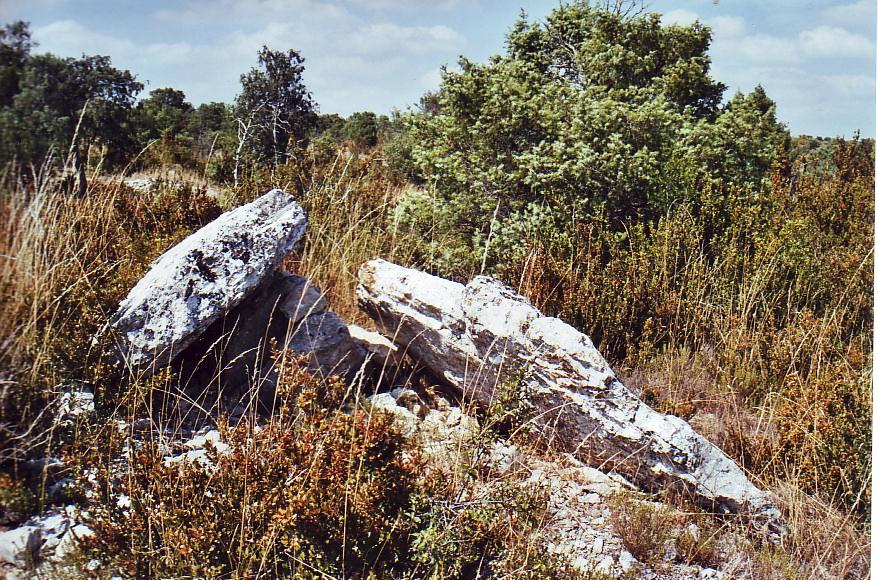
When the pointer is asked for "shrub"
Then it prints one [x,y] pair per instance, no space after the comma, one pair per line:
[696,543]
[65,264]
[645,528]
[17,502]
[313,491]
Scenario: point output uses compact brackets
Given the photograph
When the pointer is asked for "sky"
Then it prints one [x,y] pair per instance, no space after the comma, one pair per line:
[816,59]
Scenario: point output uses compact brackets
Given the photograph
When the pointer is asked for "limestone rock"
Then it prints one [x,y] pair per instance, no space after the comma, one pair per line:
[44,538]
[325,339]
[381,348]
[470,336]
[197,281]
[285,311]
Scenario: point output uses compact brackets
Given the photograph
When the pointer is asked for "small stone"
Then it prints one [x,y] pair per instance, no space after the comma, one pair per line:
[626,560]
[76,402]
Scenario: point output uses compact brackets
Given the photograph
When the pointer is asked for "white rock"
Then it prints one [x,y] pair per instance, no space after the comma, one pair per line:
[406,420]
[503,457]
[205,275]
[469,335]
[142,184]
[382,349]
[47,537]
[74,403]
[200,440]
[21,546]
[626,560]
[197,448]
[325,339]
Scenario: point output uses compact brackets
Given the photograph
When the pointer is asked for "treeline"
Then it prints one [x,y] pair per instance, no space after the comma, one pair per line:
[78,113]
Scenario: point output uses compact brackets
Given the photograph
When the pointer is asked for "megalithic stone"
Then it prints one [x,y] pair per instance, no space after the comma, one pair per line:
[197,281]
[469,335]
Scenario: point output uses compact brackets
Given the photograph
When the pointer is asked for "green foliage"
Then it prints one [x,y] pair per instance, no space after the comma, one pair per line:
[15,47]
[165,110]
[511,410]
[589,114]
[17,502]
[769,297]
[68,104]
[275,108]
[361,129]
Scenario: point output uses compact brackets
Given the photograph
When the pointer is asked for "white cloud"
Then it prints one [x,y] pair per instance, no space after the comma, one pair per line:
[728,26]
[679,16]
[388,38]
[70,38]
[761,48]
[826,41]
[851,15]
[404,4]
[819,74]
[844,85]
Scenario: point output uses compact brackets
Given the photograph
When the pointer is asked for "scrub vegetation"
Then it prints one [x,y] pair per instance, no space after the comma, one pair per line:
[721,264]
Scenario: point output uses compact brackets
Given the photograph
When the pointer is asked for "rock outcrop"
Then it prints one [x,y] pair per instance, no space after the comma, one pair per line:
[30,550]
[200,279]
[472,336]
[286,311]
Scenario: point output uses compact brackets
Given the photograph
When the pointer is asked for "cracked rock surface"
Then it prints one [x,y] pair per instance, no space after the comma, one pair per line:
[468,336]
[204,276]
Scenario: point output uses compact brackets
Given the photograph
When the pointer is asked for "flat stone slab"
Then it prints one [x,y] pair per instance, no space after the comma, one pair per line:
[197,281]
[477,336]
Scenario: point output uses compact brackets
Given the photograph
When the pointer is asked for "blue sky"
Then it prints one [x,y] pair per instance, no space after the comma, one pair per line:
[816,59]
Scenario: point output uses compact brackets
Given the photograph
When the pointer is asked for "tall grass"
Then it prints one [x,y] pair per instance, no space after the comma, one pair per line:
[65,263]
[758,331]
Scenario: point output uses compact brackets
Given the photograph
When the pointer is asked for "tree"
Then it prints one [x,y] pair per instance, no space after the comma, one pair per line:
[69,105]
[275,111]
[15,47]
[361,129]
[209,124]
[589,113]
[330,126]
[165,110]
[163,122]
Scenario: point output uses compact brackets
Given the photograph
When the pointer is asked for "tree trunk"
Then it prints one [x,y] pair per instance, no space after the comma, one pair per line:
[79,162]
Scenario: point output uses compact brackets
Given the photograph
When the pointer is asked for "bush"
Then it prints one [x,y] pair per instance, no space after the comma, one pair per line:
[645,528]
[313,491]
[66,264]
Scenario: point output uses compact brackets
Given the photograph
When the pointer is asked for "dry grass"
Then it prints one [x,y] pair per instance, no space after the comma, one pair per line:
[349,205]
[739,345]
[832,543]
[65,263]
[644,527]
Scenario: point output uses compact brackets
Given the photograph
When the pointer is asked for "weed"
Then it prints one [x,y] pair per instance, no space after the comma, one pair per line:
[645,528]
